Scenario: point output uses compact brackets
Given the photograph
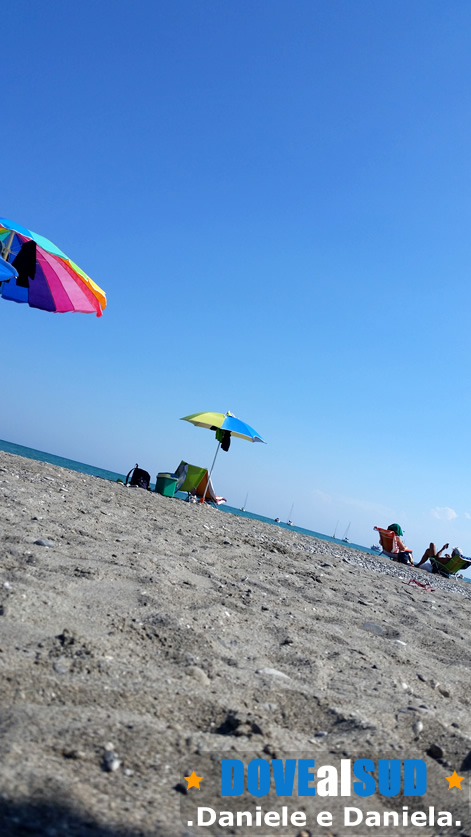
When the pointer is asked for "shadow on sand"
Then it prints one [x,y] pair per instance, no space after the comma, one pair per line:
[48,819]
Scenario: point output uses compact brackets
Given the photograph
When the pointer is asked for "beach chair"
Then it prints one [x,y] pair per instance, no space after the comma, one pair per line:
[195,481]
[452,566]
[181,474]
[387,541]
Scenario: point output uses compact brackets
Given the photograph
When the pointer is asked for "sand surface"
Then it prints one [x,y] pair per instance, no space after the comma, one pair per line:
[172,633]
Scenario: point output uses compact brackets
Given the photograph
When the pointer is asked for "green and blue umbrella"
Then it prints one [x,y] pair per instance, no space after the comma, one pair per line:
[225,421]
[225,425]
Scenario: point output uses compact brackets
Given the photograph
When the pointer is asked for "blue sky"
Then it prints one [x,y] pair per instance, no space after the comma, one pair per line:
[276,198]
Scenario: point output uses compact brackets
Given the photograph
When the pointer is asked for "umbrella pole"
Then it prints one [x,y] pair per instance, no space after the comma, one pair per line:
[7,247]
[209,475]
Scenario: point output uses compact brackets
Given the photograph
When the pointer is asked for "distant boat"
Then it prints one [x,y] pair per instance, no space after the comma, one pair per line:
[375,548]
[289,521]
[242,508]
[335,530]
[346,533]
[277,520]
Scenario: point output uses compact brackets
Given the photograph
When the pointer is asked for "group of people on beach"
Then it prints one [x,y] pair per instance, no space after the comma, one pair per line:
[403,555]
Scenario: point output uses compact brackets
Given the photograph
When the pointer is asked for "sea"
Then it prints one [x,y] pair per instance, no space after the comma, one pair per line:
[102,473]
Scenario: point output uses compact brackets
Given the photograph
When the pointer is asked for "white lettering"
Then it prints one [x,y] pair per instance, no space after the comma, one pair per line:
[212,816]
[373,818]
[272,818]
[247,815]
[444,818]
[348,813]
[324,818]
[327,781]
[298,818]
[390,818]
[345,777]
[226,818]
[418,818]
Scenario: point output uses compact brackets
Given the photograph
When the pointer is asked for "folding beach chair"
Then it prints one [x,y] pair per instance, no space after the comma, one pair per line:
[452,566]
[181,474]
[195,482]
[388,541]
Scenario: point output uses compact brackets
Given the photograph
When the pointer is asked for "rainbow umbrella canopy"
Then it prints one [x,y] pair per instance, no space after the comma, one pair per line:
[225,425]
[44,277]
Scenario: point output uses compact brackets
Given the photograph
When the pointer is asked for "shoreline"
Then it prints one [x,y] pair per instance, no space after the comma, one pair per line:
[112,476]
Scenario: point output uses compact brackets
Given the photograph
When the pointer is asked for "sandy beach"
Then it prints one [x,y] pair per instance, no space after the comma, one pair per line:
[141,636]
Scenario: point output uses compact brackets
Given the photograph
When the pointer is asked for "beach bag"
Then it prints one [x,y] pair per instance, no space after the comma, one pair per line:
[402,557]
[139,477]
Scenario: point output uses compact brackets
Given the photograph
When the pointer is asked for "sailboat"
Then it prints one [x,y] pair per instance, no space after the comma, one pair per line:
[346,533]
[242,508]
[335,530]
[289,521]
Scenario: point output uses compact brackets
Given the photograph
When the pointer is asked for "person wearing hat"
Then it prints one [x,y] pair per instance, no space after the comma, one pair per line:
[403,555]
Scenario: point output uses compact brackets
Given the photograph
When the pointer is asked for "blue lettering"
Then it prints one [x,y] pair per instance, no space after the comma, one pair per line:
[415,777]
[232,777]
[389,777]
[367,785]
[306,775]
[284,779]
[258,777]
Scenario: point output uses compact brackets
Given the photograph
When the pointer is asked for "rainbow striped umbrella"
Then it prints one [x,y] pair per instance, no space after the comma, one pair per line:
[47,278]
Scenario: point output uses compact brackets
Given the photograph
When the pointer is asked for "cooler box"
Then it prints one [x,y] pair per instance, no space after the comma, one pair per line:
[166,485]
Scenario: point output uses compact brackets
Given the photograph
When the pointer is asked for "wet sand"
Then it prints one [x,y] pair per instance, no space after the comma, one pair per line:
[141,634]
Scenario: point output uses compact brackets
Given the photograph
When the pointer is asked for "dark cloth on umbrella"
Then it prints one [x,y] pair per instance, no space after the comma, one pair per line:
[25,263]
[224,437]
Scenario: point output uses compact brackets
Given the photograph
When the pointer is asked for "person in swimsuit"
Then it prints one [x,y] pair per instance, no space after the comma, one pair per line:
[403,554]
[431,552]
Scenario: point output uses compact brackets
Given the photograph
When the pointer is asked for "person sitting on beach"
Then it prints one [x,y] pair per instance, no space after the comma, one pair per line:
[403,555]
[431,552]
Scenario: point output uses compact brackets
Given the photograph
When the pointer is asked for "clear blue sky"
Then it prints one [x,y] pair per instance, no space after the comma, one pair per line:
[276,198]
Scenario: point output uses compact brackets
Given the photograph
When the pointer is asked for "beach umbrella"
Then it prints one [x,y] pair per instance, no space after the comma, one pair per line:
[226,425]
[45,277]
[7,271]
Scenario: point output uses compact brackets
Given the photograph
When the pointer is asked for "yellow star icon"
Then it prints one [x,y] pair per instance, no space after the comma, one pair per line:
[193,781]
[454,781]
